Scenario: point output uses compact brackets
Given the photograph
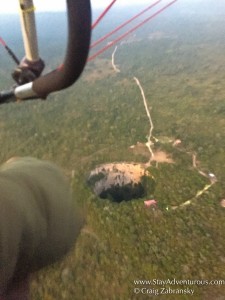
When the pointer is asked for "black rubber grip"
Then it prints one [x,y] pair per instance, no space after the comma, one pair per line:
[79,35]
[5,96]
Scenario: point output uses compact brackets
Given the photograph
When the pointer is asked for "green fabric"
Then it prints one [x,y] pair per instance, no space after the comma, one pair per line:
[39,222]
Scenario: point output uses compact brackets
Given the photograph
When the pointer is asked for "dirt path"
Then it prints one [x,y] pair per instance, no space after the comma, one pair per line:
[161,156]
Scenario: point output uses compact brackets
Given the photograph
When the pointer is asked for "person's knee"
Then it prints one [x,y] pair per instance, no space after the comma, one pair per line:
[41,221]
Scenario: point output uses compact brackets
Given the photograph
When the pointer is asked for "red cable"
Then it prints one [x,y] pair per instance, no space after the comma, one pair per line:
[128,32]
[9,50]
[2,42]
[123,24]
[102,14]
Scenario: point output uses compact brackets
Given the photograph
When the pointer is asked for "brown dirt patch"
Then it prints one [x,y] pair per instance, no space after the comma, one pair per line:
[162,157]
[100,69]
[159,156]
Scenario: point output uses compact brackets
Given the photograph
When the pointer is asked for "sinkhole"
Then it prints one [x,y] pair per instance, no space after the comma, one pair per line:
[121,181]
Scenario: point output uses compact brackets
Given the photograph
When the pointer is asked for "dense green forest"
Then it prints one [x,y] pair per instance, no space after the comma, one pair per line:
[179,60]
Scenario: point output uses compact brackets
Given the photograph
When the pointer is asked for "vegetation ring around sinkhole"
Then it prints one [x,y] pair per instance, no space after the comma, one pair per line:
[121,181]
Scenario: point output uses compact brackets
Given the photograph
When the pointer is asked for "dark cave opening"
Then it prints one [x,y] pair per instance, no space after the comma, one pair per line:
[117,193]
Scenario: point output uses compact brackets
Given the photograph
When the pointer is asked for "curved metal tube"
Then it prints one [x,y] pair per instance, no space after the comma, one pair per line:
[79,35]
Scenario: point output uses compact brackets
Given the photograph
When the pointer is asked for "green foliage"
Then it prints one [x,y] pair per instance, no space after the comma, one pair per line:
[148,182]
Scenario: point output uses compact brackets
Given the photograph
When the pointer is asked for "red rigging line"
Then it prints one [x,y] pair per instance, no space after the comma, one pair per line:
[123,24]
[10,52]
[2,42]
[102,14]
[92,57]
